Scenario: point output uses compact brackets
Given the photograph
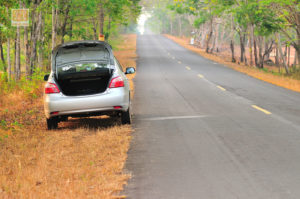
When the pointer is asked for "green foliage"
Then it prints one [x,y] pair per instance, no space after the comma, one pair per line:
[199,21]
[256,13]
[3,124]
[77,20]
[28,86]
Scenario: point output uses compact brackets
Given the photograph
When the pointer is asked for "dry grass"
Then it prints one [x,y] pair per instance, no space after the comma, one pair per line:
[279,80]
[84,158]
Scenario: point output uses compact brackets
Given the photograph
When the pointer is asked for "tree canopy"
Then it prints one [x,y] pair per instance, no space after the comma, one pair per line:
[28,49]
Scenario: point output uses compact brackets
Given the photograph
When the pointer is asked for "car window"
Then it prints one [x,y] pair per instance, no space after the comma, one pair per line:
[81,67]
[65,56]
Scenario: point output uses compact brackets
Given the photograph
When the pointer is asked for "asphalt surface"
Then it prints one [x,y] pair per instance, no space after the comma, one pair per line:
[203,130]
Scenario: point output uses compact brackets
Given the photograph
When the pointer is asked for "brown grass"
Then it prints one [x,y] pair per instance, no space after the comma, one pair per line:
[279,80]
[84,158]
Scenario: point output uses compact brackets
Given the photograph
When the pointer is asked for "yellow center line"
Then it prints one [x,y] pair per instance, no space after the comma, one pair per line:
[262,110]
[221,88]
[188,68]
[201,76]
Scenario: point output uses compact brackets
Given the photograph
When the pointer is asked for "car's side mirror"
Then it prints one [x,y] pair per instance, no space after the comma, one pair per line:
[130,70]
[46,77]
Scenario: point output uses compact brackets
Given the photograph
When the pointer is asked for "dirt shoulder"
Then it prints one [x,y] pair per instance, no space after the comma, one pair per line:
[273,78]
[84,158]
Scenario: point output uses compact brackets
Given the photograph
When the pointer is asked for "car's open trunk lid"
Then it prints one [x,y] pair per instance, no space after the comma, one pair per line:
[83,68]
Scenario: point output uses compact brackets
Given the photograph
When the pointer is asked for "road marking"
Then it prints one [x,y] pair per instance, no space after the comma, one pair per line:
[188,68]
[173,57]
[262,110]
[221,88]
[179,62]
[201,76]
[174,117]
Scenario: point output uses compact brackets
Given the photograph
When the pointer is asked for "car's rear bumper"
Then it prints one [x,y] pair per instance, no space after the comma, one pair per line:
[59,104]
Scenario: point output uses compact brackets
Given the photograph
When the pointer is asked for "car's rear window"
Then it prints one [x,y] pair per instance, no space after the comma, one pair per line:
[81,67]
[86,54]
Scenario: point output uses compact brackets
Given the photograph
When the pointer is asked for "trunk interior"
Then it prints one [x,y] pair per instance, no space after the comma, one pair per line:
[84,83]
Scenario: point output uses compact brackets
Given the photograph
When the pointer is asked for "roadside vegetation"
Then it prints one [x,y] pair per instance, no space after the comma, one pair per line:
[26,51]
[84,158]
[268,73]
[260,38]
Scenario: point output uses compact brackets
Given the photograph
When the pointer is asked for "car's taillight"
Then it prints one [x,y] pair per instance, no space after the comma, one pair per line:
[116,82]
[51,88]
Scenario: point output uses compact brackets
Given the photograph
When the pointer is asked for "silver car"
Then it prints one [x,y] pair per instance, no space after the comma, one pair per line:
[86,80]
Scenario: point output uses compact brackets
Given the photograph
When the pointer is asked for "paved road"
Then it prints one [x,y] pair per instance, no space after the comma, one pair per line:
[205,131]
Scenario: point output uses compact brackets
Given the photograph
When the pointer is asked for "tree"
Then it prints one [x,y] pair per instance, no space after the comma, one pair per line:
[55,21]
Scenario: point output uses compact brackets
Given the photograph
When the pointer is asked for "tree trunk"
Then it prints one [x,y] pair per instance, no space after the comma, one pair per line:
[101,20]
[213,44]
[41,39]
[54,21]
[267,56]
[8,59]
[217,37]
[297,48]
[27,52]
[232,51]
[94,28]
[35,32]
[278,43]
[260,51]
[268,50]
[71,29]
[251,44]
[108,28]
[203,35]
[64,24]
[295,59]
[17,62]
[242,45]
[277,57]
[289,56]
[255,52]
[220,39]
[171,26]
[2,56]
[180,26]
[209,35]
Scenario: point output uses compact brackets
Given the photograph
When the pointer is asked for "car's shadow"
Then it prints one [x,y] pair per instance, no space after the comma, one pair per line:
[92,123]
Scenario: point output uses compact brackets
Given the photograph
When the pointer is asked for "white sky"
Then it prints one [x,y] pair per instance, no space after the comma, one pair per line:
[141,21]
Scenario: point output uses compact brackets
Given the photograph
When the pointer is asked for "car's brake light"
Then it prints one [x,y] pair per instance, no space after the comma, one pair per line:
[51,88]
[116,82]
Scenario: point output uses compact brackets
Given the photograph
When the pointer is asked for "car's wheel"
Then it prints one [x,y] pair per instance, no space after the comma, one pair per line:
[126,117]
[52,123]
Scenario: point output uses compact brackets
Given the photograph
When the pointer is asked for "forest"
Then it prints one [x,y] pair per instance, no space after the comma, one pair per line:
[25,51]
[252,32]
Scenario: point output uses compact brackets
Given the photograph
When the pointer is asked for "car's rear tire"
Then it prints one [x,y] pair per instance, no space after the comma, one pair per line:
[52,123]
[126,117]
